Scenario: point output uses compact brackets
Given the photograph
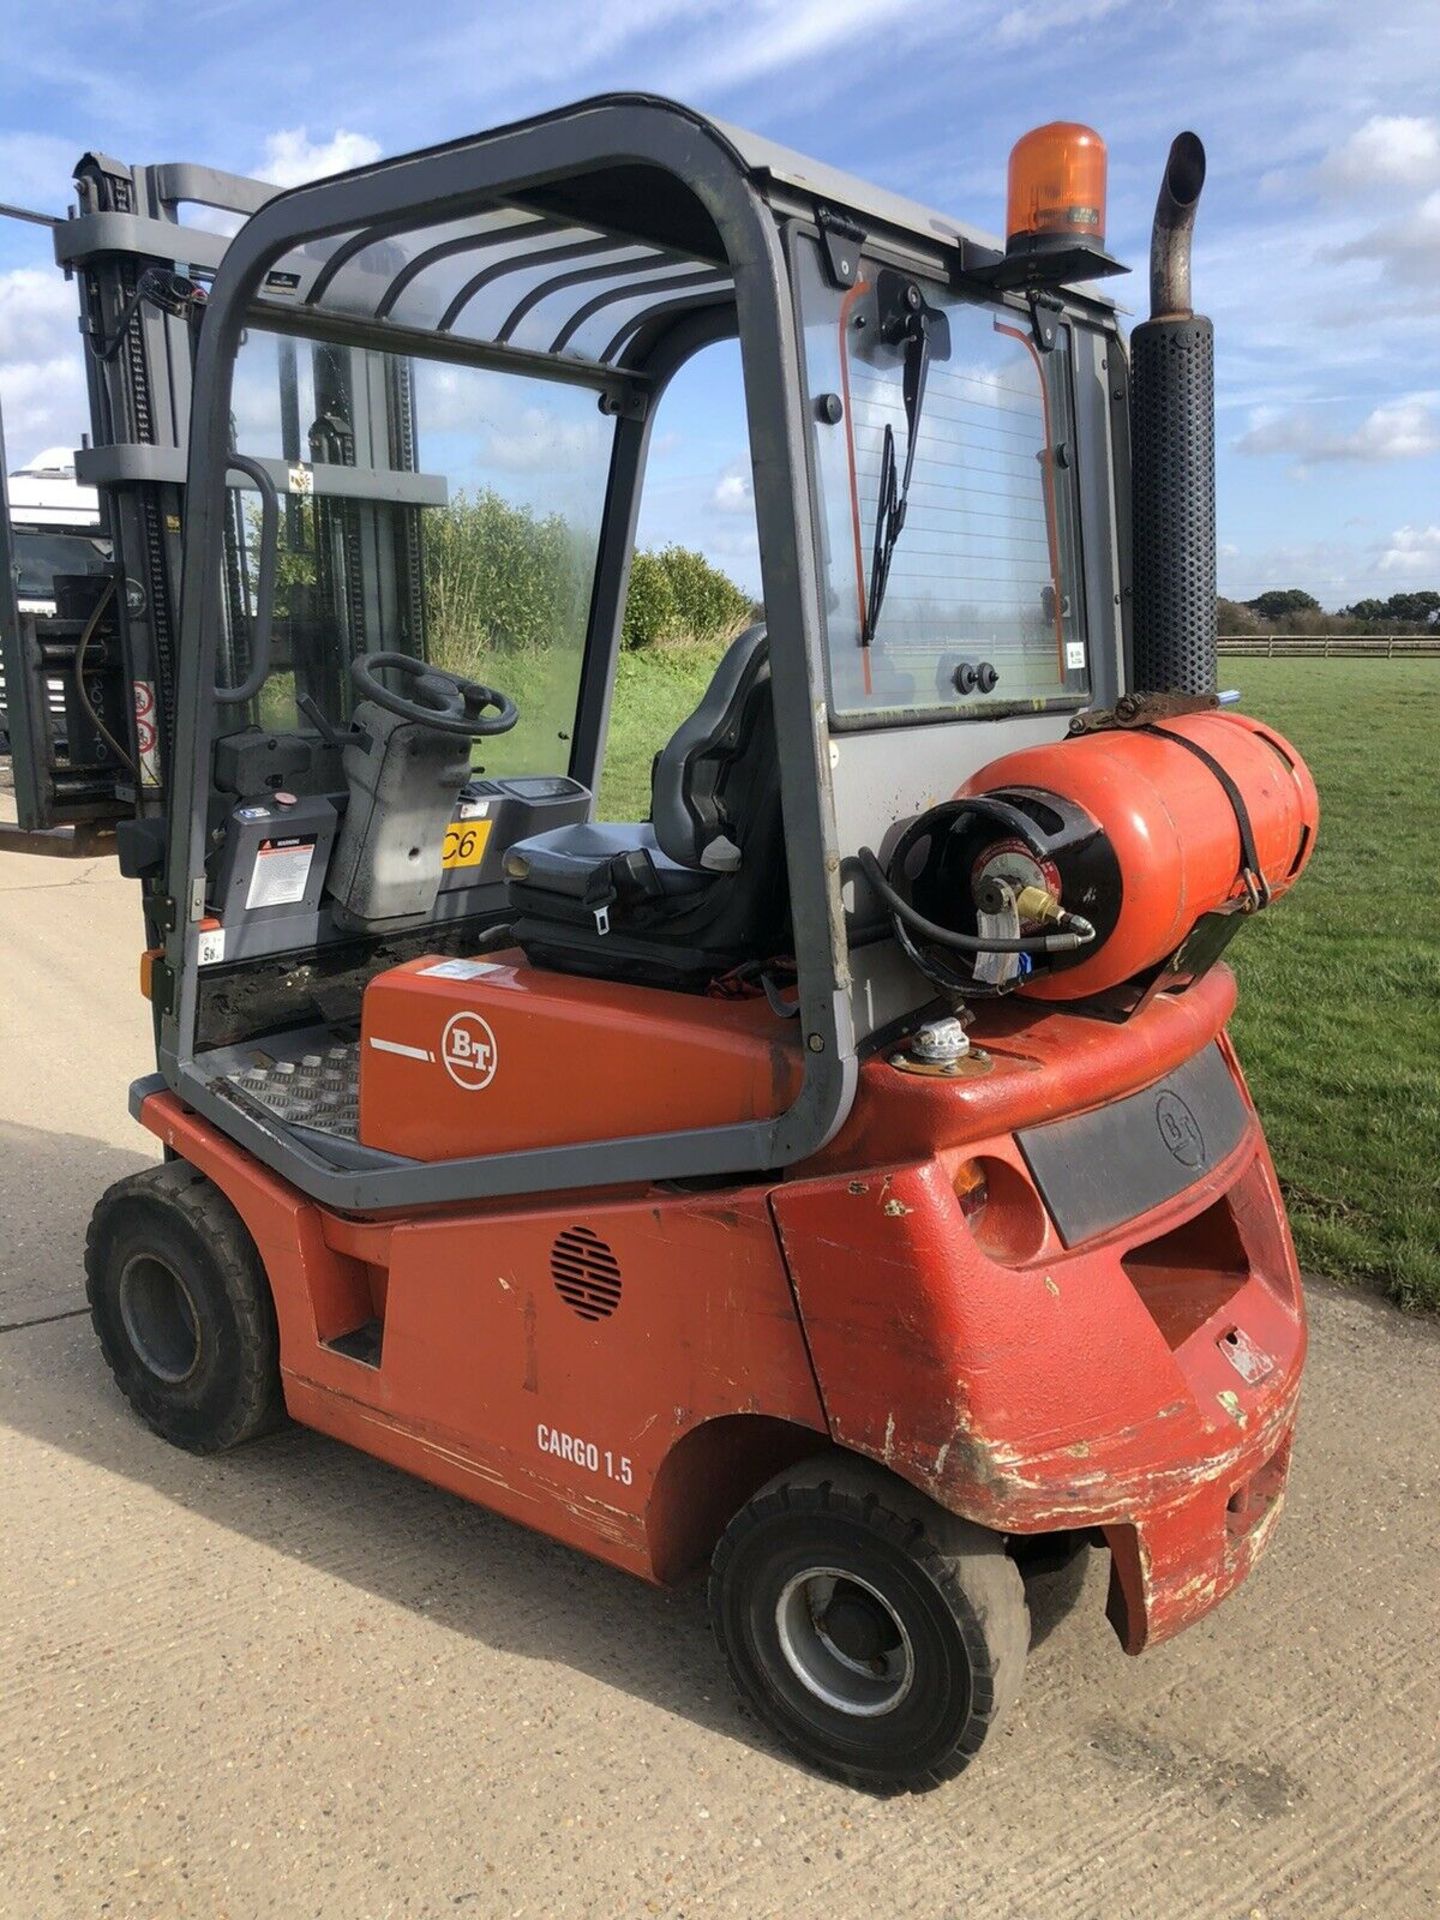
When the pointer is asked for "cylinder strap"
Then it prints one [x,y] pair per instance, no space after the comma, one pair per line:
[1251,876]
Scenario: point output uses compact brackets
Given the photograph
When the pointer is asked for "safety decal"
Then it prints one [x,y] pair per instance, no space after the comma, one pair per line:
[459,969]
[146,735]
[282,871]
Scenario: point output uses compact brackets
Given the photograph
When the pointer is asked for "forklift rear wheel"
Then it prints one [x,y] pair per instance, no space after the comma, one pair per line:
[183,1310]
[878,1635]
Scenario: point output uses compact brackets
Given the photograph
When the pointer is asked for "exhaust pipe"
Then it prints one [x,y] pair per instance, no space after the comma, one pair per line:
[1172,441]
[1174,227]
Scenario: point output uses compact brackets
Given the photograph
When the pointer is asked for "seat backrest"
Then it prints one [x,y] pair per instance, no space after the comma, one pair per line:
[688,791]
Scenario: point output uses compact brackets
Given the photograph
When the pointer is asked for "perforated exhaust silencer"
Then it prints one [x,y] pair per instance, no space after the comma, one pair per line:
[1172,450]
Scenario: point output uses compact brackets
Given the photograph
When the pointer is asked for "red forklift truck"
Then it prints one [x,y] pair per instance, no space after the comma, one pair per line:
[843,1176]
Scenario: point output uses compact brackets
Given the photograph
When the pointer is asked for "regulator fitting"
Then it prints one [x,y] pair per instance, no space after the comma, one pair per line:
[941,1050]
[939,1043]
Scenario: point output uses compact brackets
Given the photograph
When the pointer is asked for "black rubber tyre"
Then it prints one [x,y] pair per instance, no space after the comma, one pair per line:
[879,1636]
[183,1310]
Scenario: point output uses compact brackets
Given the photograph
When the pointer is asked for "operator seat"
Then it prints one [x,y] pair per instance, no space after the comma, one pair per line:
[699,888]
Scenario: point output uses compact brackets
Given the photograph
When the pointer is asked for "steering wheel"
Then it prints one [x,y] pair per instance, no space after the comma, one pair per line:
[444,702]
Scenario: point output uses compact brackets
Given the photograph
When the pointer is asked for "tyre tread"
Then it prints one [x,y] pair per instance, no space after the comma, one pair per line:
[258,1405]
[967,1564]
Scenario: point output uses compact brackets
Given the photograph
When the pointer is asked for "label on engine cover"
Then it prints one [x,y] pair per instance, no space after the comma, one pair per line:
[460,969]
[282,871]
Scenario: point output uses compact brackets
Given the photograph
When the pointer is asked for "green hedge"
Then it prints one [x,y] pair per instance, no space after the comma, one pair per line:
[678,595]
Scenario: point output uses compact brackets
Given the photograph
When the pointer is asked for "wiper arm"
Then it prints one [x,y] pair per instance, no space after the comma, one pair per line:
[889,524]
[926,334]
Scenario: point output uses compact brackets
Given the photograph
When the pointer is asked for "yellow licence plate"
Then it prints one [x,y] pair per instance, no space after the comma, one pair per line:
[465,843]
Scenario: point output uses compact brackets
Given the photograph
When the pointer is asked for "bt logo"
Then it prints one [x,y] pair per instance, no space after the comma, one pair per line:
[468,1050]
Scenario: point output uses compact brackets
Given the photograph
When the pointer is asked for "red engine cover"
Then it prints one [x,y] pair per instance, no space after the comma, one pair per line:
[1173,830]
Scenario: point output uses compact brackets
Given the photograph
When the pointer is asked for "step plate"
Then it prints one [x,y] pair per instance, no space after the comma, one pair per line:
[320,1089]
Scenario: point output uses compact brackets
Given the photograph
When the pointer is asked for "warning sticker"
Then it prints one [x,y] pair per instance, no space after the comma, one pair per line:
[460,969]
[146,738]
[282,871]
[1074,655]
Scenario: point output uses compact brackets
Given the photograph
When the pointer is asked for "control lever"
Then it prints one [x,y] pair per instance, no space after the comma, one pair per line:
[327,731]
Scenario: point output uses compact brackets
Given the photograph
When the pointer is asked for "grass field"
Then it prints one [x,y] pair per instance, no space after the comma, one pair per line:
[1339,1018]
[655,689]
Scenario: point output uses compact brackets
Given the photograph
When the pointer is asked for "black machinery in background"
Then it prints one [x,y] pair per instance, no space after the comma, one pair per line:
[90,690]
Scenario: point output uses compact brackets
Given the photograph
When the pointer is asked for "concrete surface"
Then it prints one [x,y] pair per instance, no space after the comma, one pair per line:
[293,1682]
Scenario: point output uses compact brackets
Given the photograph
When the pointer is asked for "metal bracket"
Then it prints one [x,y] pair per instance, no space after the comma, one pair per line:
[1045,264]
[1044,321]
[629,403]
[840,241]
[162,987]
[1133,710]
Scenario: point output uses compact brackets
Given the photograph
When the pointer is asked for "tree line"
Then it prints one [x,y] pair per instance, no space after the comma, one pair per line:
[1291,610]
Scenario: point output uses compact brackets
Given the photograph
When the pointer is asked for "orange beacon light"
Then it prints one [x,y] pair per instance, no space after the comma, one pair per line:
[1057,188]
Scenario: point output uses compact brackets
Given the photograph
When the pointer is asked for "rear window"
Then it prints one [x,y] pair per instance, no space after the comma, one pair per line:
[979,604]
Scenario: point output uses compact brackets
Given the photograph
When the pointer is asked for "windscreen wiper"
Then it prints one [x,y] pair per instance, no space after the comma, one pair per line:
[904,318]
[889,523]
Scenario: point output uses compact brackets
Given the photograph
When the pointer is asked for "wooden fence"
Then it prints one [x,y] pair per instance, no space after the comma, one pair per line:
[1332,646]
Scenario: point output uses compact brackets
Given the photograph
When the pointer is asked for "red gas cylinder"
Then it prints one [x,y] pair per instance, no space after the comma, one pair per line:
[1164,813]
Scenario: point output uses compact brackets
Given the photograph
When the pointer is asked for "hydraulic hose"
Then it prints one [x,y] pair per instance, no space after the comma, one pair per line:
[1078,933]
[81,650]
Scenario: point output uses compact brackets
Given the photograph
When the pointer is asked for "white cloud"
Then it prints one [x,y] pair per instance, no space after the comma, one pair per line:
[1403,429]
[1390,150]
[775,34]
[514,55]
[1037,20]
[1413,551]
[1335,571]
[1408,249]
[37,169]
[732,492]
[542,442]
[292,157]
[42,374]
[735,543]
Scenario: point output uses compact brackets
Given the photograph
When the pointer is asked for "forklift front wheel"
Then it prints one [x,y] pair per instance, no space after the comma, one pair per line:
[183,1310]
[878,1635]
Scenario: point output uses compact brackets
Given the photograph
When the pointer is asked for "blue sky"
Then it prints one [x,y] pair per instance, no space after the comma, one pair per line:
[1318,253]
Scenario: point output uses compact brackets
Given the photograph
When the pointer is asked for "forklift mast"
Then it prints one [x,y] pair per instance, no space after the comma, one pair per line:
[90,690]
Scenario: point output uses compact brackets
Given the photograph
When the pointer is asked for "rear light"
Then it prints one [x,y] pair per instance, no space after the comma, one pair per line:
[147,970]
[972,1189]
[1002,1210]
